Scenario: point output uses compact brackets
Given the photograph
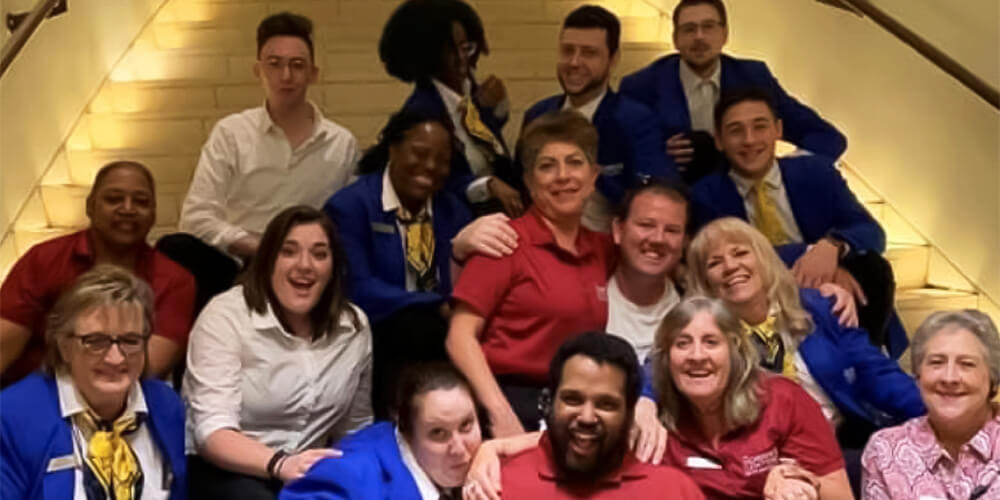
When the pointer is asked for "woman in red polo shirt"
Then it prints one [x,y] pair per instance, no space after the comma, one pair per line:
[512,313]
[730,421]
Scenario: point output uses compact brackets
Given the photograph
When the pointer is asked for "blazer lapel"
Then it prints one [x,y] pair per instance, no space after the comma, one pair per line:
[804,203]
[387,241]
[674,108]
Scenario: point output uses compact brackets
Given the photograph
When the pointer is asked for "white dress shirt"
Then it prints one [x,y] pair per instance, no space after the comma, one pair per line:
[478,190]
[246,372]
[151,460]
[391,203]
[812,387]
[702,94]
[597,210]
[776,190]
[426,487]
[248,172]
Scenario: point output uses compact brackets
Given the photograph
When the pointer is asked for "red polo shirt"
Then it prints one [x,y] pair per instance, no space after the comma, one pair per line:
[47,269]
[537,297]
[791,425]
[532,474]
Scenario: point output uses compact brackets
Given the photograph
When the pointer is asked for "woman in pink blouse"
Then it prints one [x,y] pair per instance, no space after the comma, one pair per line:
[953,453]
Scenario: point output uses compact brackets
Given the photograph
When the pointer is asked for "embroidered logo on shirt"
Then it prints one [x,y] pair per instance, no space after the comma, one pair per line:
[755,464]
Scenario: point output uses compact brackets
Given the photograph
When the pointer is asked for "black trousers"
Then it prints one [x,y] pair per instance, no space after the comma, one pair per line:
[875,276]
[411,335]
[525,399]
[214,272]
[208,482]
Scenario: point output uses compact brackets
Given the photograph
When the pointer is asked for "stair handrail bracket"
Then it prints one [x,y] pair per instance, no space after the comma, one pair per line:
[24,32]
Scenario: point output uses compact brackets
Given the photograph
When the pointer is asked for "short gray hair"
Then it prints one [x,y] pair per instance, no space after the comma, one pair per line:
[103,285]
[975,322]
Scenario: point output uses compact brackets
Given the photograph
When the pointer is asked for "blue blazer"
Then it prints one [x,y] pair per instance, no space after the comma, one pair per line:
[371,469]
[630,142]
[33,432]
[426,98]
[821,202]
[374,247]
[855,375]
[658,86]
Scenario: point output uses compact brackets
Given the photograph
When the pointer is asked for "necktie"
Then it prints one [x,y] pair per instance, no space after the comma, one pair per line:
[768,219]
[768,340]
[110,458]
[702,113]
[419,246]
[478,130]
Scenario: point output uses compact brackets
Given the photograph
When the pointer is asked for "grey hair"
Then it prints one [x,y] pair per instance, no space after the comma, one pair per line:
[975,322]
[103,285]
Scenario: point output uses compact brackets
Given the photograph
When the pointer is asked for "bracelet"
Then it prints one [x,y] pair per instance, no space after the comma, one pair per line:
[271,469]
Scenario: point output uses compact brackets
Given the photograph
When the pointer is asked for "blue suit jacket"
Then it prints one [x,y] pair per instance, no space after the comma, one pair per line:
[856,376]
[631,144]
[658,86]
[426,98]
[33,432]
[371,469]
[374,247]
[821,202]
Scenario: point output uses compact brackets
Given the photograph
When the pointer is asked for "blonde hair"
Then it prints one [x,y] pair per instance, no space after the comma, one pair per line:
[975,322]
[779,283]
[741,397]
[104,285]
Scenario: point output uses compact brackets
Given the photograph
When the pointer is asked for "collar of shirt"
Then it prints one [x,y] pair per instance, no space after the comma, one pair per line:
[980,446]
[83,251]
[71,401]
[319,131]
[452,99]
[390,200]
[547,469]
[428,491]
[690,80]
[587,109]
[744,185]
[539,234]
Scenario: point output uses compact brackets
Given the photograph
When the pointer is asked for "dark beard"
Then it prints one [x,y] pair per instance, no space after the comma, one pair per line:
[594,83]
[607,460]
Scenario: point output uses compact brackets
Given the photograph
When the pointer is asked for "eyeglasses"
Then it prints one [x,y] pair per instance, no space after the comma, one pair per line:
[692,28]
[98,344]
[468,48]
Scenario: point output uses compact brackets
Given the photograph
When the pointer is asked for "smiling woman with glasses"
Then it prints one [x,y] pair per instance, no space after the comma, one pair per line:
[90,426]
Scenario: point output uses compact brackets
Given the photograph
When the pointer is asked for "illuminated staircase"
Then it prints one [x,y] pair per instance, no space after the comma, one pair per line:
[192,65]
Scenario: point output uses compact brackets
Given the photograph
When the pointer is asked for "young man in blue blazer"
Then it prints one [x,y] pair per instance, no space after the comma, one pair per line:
[802,204]
[631,141]
[683,88]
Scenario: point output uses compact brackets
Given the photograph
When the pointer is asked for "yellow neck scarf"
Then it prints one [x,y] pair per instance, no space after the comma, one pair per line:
[768,334]
[110,457]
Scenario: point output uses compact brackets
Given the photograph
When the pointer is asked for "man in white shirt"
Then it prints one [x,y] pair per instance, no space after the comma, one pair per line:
[630,138]
[261,160]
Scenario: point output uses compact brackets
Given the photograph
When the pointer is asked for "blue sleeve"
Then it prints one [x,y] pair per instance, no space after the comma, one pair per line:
[647,147]
[791,252]
[703,209]
[14,472]
[375,296]
[804,127]
[852,221]
[646,377]
[343,478]
[638,86]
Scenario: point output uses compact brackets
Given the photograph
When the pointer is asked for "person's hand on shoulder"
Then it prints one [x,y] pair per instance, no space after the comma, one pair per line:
[648,437]
[489,235]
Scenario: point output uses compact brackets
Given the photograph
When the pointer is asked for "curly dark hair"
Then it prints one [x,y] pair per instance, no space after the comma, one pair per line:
[377,156]
[417,34]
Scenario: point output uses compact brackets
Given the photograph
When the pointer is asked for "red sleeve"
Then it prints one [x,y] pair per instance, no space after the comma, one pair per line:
[21,296]
[678,483]
[484,283]
[175,307]
[810,439]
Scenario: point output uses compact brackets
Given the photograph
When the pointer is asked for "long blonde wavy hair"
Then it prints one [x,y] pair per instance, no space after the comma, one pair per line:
[779,283]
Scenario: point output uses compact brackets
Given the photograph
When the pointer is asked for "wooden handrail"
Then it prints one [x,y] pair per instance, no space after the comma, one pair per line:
[971,81]
[24,32]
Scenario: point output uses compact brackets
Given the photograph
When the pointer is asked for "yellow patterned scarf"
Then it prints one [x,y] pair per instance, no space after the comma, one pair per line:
[110,457]
[775,353]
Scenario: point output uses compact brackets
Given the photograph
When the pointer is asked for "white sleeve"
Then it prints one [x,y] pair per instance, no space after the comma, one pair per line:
[212,380]
[478,190]
[204,211]
[359,414]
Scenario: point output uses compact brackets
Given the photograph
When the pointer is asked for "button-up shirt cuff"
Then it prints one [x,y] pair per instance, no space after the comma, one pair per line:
[212,423]
[478,190]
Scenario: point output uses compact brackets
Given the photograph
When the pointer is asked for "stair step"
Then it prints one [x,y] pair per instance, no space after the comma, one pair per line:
[909,264]
[915,305]
[167,168]
[108,131]
[64,204]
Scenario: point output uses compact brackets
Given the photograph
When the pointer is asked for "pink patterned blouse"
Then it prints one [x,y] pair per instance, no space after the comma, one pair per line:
[907,463]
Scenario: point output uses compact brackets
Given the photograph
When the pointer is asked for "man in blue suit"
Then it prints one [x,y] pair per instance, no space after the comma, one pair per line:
[683,88]
[631,142]
[801,204]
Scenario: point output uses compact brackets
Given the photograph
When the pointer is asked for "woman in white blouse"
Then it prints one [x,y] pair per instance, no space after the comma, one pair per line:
[278,367]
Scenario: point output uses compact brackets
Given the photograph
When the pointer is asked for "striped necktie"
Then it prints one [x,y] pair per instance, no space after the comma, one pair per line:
[110,458]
